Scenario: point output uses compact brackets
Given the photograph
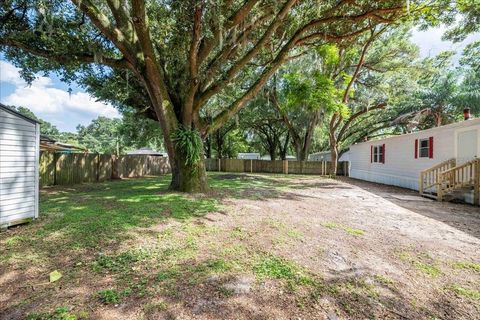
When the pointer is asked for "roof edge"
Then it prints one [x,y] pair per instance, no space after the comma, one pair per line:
[24,117]
[459,124]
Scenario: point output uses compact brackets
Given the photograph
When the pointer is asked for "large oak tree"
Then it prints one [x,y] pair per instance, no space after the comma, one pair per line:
[180,54]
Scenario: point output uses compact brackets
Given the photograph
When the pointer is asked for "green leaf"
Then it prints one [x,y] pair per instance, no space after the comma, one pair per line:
[55,276]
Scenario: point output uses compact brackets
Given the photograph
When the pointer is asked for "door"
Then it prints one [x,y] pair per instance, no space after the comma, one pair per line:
[467,146]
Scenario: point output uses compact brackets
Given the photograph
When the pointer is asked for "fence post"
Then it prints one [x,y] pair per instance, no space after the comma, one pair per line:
[114,174]
[476,190]
[285,166]
[97,176]
[219,165]
[251,166]
[55,159]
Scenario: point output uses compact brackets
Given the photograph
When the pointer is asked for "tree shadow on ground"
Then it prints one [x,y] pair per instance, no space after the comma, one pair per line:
[80,223]
[463,217]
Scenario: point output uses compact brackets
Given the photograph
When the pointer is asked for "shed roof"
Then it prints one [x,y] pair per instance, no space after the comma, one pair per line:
[49,144]
[18,114]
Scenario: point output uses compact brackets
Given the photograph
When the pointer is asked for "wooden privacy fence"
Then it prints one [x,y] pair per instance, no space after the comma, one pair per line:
[275,166]
[67,169]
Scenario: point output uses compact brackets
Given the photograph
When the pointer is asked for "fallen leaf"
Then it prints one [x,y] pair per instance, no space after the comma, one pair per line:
[55,276]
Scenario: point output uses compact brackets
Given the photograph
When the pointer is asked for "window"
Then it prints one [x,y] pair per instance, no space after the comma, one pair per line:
[424,148]
[378,154]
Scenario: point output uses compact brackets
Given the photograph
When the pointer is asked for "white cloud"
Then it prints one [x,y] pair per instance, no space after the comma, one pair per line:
[49,102]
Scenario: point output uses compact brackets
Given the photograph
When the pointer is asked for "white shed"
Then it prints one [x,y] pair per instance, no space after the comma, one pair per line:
[19,162]
[399,160]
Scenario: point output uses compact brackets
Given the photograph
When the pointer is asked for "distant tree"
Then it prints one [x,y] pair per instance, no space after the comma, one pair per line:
[305,94]
[265,126]
[102,135]
[46,128]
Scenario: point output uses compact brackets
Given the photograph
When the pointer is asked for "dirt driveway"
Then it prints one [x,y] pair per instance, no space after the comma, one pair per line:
[276,247]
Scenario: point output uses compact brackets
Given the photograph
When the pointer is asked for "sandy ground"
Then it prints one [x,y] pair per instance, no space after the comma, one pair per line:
[380,252]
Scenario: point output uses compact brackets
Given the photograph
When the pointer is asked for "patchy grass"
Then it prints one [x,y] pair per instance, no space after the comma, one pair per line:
[61,313]
[422,262]
[384,280]
[157,255]
[272,267]
[348,230]
[465,292]
[109,296]
[474,266]
[428,269]
[100,213]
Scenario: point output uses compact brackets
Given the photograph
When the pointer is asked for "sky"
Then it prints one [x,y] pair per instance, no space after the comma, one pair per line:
[50,100]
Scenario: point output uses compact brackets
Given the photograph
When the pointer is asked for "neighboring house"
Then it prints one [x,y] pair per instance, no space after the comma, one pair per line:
[326,156]
[19,165]
[320,156]
[49,144]
[399,160]
[249,156]
[147,152]
[267,157]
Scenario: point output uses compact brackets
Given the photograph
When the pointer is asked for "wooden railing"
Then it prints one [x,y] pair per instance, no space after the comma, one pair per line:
[466,175]
[429,178]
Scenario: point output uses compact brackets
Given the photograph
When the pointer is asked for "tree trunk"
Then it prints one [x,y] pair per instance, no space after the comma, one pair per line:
[284,150]
[188,177]
[208,147]
[300,152]
[272,148]
[334,155]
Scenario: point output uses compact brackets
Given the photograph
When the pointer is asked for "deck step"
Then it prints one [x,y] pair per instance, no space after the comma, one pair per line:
[429,195]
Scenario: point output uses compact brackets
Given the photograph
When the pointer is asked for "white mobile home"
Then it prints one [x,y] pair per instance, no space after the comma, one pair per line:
[399,160]
[19,162]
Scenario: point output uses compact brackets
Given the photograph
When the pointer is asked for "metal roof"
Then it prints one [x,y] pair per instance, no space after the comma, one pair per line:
[18,114]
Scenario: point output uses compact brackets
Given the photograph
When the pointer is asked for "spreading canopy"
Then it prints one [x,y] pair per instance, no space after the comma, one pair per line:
[182,54]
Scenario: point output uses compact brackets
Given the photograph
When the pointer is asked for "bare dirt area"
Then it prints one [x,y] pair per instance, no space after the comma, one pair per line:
[255,247]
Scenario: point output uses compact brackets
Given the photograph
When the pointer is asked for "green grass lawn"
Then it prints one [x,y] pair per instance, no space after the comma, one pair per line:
[132,245]
[98,230]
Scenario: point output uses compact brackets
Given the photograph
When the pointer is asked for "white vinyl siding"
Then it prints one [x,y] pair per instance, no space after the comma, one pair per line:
[401,168]
[19,148]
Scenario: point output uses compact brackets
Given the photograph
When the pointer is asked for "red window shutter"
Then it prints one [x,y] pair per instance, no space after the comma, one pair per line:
[416,148]
[430,147]
[383,158]
[371,154]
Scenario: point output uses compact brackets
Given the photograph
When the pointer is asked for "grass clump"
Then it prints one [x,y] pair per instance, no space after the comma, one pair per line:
[475,266]
[155,307]
[61,313]
[294,233]
[384,280]
[354,232]
[465,292]
[348,230]
[271,267]
[330,225]
[118,264]
[427,268]
[109,296]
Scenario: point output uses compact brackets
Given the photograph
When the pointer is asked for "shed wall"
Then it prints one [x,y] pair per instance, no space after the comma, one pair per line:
[18,168]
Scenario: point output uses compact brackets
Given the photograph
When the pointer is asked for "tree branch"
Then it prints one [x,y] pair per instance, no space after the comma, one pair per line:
[65,60]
